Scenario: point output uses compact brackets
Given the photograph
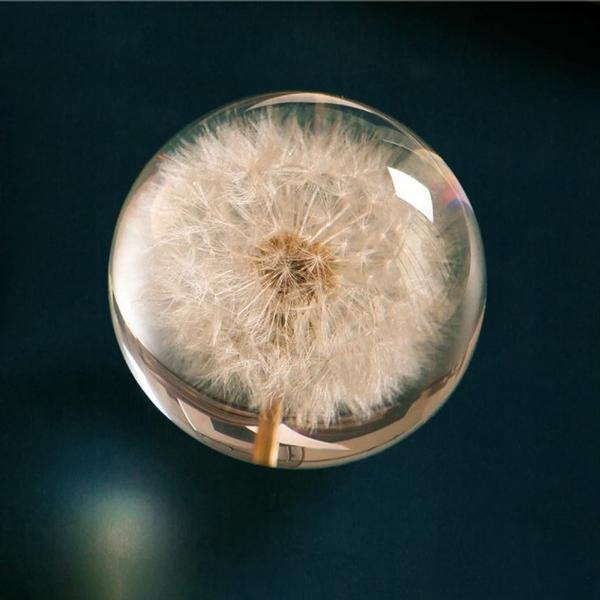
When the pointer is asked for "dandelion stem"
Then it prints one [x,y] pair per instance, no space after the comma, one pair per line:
[266,443]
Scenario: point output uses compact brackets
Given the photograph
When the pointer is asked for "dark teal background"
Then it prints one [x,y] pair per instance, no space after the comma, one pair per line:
[497,497]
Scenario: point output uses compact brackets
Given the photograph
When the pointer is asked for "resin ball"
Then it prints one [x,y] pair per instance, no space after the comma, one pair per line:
[298,280]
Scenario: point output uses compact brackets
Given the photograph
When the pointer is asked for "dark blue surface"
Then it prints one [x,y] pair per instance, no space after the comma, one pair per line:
[496,498]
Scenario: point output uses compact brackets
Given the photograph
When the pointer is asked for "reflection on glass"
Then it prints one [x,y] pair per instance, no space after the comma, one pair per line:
[410,190]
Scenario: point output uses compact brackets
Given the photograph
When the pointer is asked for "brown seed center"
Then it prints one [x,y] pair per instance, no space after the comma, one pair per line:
[300,271]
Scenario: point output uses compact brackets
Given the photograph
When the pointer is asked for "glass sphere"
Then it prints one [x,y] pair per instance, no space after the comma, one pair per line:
[297,280]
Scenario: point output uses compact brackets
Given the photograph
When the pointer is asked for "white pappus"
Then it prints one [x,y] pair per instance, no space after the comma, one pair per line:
[284,268]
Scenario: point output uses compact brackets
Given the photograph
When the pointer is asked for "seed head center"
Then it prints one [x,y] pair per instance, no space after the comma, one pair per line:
[299,270]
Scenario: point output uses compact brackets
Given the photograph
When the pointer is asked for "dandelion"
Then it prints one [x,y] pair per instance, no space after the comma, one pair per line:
[288,276]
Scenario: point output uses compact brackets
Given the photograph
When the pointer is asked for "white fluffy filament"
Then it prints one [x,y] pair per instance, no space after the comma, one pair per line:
[284,267]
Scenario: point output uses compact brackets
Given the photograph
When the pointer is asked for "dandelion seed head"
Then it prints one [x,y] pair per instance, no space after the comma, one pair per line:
[285,267]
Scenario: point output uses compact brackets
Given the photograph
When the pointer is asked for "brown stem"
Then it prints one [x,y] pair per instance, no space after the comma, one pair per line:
[266,443]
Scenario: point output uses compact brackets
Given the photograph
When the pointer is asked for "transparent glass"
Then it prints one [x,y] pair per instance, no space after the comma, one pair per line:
[299,250]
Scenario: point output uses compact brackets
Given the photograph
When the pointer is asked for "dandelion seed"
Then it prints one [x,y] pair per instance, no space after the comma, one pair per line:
[295,245]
